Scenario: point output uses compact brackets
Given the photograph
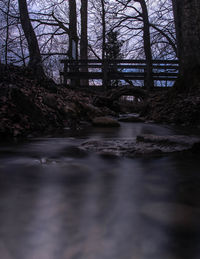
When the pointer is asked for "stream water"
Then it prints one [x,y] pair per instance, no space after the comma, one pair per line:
[59,203]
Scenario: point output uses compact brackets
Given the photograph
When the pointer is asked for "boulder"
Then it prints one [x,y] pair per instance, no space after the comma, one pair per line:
[69,110]
[50,100]
[27,106]
[105,122]
[91,110]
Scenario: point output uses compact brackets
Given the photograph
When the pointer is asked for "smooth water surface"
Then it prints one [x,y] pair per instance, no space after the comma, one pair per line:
[57,202]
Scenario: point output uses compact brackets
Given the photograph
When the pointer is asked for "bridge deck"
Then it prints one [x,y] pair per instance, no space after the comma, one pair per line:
[120,75]
[162,70]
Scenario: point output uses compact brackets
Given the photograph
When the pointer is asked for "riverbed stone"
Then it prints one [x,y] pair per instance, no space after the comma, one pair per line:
[50,100]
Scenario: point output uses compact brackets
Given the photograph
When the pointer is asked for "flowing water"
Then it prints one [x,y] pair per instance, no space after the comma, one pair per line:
[57,202]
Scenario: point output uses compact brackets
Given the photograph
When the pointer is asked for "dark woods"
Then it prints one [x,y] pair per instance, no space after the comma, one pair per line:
[38,39]
[37,35]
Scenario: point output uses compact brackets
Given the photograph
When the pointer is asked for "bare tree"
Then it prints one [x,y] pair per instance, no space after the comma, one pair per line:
[56,26]
[147,44]
[35,62]
[84,38]
[73,38]
[103,20]
[163,35]
[7,32]
[99,26]
[84,30]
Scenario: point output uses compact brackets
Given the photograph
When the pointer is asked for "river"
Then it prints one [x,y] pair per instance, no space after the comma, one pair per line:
[57,202]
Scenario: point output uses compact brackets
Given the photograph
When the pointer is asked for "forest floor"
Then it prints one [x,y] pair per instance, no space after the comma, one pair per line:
[31,107]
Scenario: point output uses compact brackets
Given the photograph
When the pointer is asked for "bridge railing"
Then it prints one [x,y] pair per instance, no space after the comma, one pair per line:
[106,70]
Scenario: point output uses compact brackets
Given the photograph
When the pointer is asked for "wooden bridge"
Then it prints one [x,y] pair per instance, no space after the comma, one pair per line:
[127,70]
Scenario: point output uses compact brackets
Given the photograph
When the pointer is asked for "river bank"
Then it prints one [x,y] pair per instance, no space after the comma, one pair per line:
[174,107]
[29,107]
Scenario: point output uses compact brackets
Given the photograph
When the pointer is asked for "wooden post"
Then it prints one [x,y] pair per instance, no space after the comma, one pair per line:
[145,78]
[66,66]
[74,67]
[105,73]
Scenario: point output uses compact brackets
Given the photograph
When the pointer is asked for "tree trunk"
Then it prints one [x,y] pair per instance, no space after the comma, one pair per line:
[7,32]
[35,61]
[187,21]
[73,38]
[84,37]
[103,19]
[21,46]
[104,63]
[147,45]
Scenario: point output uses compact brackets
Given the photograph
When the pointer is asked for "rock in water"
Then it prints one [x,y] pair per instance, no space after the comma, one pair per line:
[132,118]
[174,142]
[143,145]
[105,122]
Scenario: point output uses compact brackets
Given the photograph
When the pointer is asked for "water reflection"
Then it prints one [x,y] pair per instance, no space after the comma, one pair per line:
[60,204]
